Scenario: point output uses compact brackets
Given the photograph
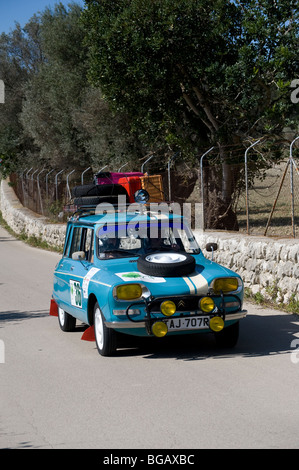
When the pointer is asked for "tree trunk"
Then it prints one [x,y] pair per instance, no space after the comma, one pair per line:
[218,189]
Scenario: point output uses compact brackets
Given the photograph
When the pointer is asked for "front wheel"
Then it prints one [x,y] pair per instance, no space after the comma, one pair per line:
[66,321]
[105,337]
[228,337]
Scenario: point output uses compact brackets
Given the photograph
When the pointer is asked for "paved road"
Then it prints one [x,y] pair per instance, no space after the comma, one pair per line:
[57,392]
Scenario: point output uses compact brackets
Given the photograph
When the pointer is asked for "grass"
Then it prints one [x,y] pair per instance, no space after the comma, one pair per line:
[259,299]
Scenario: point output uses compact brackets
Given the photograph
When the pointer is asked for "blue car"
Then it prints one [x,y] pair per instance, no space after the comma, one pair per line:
[139,272]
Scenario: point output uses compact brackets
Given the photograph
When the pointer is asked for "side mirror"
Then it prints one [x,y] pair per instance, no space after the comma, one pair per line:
[78,256]
[211,247]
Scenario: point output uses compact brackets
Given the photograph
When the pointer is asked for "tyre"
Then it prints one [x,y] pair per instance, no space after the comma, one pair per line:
[168,264]
[228,337]
[84,190]
[105,337]
[95,200]
[66,321]
[98,190]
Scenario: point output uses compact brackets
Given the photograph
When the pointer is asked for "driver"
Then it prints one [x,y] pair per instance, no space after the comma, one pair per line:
[108,246]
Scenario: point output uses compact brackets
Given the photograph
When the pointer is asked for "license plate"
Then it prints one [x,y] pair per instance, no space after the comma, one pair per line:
[187,323]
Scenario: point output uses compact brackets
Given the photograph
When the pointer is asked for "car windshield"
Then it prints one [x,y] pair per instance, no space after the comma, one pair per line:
[135,239]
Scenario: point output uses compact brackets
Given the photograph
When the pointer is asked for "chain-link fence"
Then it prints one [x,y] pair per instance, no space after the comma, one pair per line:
[46,191]
[271,205]
[266,205]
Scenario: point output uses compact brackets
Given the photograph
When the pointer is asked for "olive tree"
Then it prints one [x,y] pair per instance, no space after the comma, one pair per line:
[193,74]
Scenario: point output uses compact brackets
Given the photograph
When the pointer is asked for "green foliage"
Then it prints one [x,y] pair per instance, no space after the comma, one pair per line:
[219,68]
[54,92]
[52,116]
[19,57]
[293,305]
[196,73]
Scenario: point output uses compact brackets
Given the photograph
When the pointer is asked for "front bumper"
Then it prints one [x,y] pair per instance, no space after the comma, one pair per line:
[120,325]
[228,307]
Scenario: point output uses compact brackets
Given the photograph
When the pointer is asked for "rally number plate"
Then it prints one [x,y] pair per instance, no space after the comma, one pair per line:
[188,323]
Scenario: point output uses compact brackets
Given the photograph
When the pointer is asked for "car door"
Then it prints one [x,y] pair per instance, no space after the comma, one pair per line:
[73,268]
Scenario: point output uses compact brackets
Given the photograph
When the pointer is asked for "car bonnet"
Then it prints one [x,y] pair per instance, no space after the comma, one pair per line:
[120,271]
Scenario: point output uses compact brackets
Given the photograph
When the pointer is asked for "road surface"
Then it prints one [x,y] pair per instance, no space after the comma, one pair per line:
[57,392]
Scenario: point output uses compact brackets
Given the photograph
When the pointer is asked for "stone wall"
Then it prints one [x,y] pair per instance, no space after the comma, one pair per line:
[22,220]
[268,266]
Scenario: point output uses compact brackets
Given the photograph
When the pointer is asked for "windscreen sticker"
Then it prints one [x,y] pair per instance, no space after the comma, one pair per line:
[76,293]
[137,276]
[86,281]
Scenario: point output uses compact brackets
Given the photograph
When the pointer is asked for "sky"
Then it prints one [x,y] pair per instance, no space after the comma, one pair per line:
[21,11]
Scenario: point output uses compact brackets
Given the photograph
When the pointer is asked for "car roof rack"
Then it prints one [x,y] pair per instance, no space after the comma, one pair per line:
[108,208]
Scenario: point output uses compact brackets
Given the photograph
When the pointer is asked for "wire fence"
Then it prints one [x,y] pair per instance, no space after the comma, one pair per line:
[267,206]
[271,206]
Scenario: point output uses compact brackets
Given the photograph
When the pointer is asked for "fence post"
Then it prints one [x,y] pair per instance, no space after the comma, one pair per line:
[23,189]
[33,192]
[39,192]
[67,183]
[125,164]
[276,199]
[292,184]
[83,172]
[47,193]
[56,188]
[143,165]
[26,200]
[246,184]
[201,184]
[168,169]
[28,172]
[32,174]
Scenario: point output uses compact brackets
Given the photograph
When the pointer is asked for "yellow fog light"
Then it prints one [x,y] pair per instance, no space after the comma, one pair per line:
[206,304]
[159,329]
[225,284]
[168,308]
[129,291]
[216,324]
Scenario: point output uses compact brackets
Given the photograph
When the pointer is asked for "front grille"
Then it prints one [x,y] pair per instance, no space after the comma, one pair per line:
[183,303]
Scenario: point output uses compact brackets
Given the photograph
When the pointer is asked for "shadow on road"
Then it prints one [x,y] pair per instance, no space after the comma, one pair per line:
[8,239]
[16,316]
[260,335]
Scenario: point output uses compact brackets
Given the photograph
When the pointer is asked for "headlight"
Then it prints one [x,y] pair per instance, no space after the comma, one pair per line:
[206,304]
[225,285]
[128,291]
[168,308]
[216,324]
[159,329]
